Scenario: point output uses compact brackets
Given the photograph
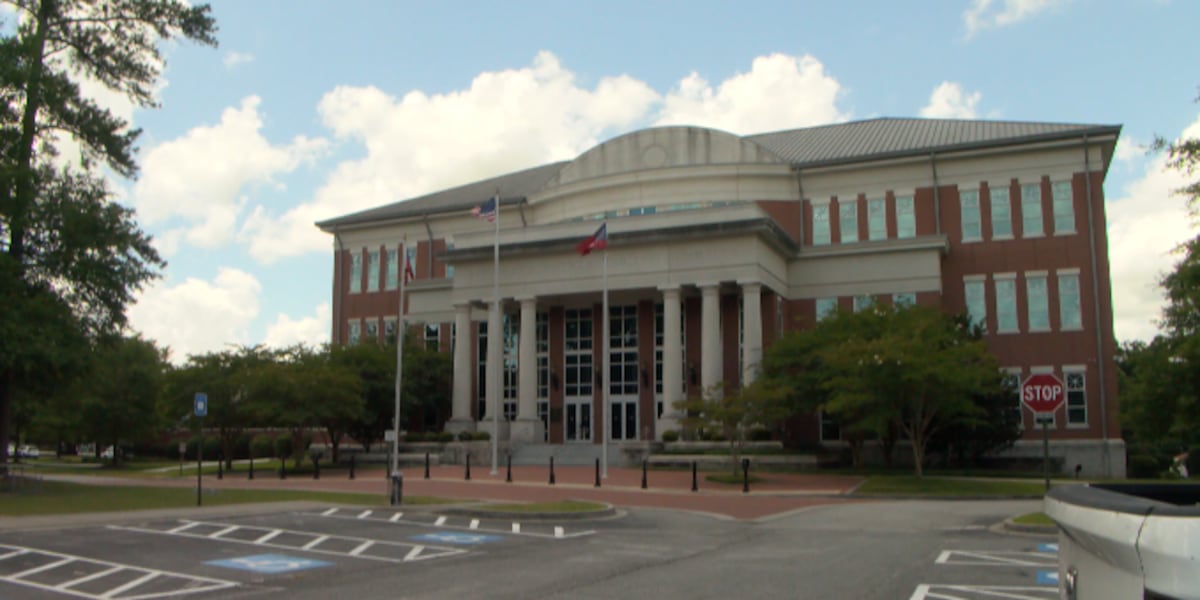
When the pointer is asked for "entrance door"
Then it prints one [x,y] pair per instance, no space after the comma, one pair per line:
[623,372]
[577,375]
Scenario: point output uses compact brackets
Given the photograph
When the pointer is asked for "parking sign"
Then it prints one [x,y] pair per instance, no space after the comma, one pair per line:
[201,404]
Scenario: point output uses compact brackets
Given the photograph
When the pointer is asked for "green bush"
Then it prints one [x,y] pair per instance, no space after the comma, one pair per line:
[414,436]
[241,447]
[445,436]
[1193,462]
[283,446]
[1143,466]
[481,436]
[759,434]
[670,436]
[263,445]
[464,436]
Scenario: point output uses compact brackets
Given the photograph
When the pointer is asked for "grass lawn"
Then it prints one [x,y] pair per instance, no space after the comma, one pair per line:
[1036,518]
[562,506]
[937,486]
[53,497]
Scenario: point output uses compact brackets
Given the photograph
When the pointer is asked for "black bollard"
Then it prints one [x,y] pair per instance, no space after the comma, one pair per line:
[426,465]
[316,468]
[468,477]
[551,470]
[352,465]
[397,495]
[220,468]
[250,473]
[745,476]
[283,468]
[695,487]
[508,477]
[597,472]
[643,473]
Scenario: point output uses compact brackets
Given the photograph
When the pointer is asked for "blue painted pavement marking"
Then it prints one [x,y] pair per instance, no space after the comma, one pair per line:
[1047,578]
[1047,547]
[453,537]
[270,563]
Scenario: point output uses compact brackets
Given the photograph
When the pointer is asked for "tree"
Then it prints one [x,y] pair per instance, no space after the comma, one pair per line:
[375,367]
[124,384]
[335,392]
[224,378]
[732,412]
[67,252]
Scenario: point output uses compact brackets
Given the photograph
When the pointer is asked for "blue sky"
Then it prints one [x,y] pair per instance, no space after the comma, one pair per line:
[312,109]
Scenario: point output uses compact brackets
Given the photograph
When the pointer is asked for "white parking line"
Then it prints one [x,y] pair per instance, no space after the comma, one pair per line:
[316,542]
[329,512]
[361,547]
[45,567]
[222,532]
[396,517]
[440,521]
[184,527]
[516,527]
[87,578]
[939,591]
[560,532]
[474,524]
[996,559]
[364,514]
[129,585]
[268,536]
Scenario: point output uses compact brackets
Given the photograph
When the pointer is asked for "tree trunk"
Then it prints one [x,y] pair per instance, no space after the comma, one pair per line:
[6,380]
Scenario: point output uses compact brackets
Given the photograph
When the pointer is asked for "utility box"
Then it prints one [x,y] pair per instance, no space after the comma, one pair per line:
[1127,540]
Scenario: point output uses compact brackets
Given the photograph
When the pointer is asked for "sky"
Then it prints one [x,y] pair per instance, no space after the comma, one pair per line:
[310,110]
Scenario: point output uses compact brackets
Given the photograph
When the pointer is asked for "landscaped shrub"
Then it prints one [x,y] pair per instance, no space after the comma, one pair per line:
[445,436]
[1143,466]
[414,436]
[263,445]
[759,434]
[464,436]
[670,436]
[241,446]
[481,436]
[283,446]
[1193,462]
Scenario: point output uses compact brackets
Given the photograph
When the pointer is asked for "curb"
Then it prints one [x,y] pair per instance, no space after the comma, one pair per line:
[484,513]
[1013,526]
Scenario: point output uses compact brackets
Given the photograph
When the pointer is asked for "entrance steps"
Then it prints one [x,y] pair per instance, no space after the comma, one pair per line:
[565,454]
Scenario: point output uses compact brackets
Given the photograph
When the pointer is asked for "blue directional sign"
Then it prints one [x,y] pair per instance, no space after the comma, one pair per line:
[201,404]
[270,564]
[454,537]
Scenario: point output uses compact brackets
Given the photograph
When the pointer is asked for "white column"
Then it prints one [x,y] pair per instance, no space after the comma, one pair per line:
[460,419]
[527,427]
[710,336]
[672,372]
[752,335]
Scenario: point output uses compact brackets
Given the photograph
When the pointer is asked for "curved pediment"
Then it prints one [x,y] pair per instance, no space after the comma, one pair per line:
[663,148]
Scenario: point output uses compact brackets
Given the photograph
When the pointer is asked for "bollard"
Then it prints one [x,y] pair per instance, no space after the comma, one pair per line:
[426,465]
[508,477]
[551,470]
[468,477]
[250,473]
[597,472]
[745,476]
[283,468]
[695,487]
[316,468]
[220,467]
[643,473]
[397,495]
[352,465]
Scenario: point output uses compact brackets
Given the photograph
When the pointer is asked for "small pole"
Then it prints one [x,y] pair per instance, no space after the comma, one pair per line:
[426,465]
[643,473]
[220,467]
[1046,449]
[468,468]
[199,460]
[352,460]
[250,473]
[695,487]
[282,467]
[597,472]
[745,476]
[508,477]
[551,470]
[316,467]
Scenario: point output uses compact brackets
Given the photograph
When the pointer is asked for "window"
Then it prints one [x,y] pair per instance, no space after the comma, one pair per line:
[410,261]
[542,328]
[1069,315]
[449,268]
[1064,208]
[372,330]
[577,371]
[862,303]
[355,272]
[1035,295]
[969,201]
[355,332]
[1031,210]
[622,356]
[906,218]
[1076,396]
[976,301]
[389,331]
[373,271]
[848,220]
[433,336]
[903,300]
[1006,304]
[876,219]
[826,307]
[393,268]
[820,224]
[644,210]
[1001,213]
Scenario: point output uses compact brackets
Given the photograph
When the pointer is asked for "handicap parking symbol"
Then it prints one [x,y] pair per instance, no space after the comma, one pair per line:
[270,564]
[453,537]
[1047,578]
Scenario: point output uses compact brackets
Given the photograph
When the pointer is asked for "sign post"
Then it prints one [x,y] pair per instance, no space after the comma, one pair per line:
[1043,393]
[200,408]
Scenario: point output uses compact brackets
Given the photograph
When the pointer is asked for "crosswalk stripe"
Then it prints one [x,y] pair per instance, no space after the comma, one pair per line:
[222,532]
[474,523]
[396,517]
[186,526]
[516,527]
[364,514]
[329,512]
[440,521]
[558,532]
[415,552]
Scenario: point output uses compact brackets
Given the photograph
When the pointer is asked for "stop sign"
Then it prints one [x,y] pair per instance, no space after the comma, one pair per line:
[1043,393]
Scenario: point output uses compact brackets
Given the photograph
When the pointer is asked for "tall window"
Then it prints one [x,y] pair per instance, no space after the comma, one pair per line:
[509,348]
[543,354]
[1006,304]
[1064,208]
[1035,294]
[410,259]
[578,353]
[389,331]
[433,336]
[848,220]
[863,302]
[969,202]
[372,329]
[449,268]
[906,217]
[976,301]
[1001,213]
[820,224]
[393,268]
[355,332]
[830,429]
[877,218]
[826,307]
[1069,315]
[355,272]
[1031,210]
[1076,397]
[373,271]
[481,379]
[903,300]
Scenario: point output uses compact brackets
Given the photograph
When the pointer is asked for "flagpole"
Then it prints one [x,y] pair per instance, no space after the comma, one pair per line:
[402,256]
[605,416]
[498,371]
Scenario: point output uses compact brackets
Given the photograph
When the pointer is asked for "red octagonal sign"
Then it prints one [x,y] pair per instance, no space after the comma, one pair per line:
[1043,393]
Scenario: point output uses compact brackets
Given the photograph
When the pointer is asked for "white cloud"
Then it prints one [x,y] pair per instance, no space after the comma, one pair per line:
[1129,149]
[312,330]
[949,101]
[779,92]
[197,316]
[1145,224]
[233,59]
[199,178]
[984,14]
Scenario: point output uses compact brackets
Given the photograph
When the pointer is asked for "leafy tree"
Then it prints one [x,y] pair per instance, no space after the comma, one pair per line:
[68,253]
[124,383]
[334,391]
[375,367]
[732,412]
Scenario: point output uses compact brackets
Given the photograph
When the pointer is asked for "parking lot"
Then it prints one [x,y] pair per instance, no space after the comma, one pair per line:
[914,550]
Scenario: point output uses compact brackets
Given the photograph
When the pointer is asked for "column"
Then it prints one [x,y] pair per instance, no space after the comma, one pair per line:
[752,334]
[710,336]
[672,383]
[527,427]
[460,419]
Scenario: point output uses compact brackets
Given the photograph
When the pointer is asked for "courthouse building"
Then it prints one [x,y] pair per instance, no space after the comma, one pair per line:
[718,243]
